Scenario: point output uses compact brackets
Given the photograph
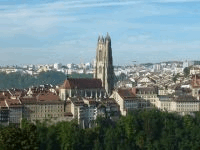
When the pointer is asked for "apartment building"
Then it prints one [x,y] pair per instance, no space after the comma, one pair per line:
[180,104]
[194,70]
[128,100]
[15,110]
[112,108]
[185,104]
[44,106]
[4,113]
[147,93]
[86,110]
[195,86]
[164,102]
[78,109]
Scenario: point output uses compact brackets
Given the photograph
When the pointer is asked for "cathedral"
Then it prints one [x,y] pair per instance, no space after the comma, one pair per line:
[87,98]
[102,85]
[104,64]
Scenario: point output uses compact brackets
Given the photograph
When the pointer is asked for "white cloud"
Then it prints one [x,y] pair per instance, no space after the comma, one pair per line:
[175,1]
[73,20]
[33,19]
[138,38]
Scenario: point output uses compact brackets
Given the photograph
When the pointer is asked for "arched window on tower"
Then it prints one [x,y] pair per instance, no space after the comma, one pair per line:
[100,55]
[100,69]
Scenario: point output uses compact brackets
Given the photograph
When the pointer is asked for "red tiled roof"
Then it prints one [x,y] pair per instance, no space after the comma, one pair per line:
[48,97]
[185,98]
[13,102]
[42,99]
[82,83]
[126,93]
[195,81]
[2,104]
[28,100]
[4,95]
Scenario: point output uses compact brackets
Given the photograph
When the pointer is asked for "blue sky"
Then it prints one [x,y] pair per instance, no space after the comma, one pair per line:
[48,31]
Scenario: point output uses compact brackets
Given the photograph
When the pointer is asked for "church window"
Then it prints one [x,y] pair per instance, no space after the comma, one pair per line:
[100,69]
[100,55]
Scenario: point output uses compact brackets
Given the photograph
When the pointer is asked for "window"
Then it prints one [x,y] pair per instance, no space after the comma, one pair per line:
[100,55]
[100,69]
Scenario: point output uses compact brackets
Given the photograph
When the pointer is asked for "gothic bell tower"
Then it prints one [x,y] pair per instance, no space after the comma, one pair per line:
[104,64]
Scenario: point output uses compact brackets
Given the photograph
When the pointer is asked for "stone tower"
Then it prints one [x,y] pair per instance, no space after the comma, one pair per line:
[104,64]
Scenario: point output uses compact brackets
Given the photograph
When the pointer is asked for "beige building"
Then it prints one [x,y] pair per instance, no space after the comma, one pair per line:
[128,100]
[195,70]
[145,81]
[185,104]
[15,110]
[4,113]
[181,104]
[164,103]
[44,106]
[78,109]
[86,110]
[165,91]
[147,93]
[195,86]
[43,69]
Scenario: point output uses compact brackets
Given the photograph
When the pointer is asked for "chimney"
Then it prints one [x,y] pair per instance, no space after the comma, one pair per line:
[134,90]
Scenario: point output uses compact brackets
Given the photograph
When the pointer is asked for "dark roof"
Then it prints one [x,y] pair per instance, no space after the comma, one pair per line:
[77,101]
[146,90]
[126,93]
[69,114]
[185,98]
[165,97]
[82,83]
[109,102]
[28,100]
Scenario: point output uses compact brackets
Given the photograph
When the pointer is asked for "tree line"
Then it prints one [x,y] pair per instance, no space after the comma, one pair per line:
[139,130]
[21,81]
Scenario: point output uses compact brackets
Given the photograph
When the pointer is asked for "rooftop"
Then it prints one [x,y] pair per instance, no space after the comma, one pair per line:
[126,93]
[13,102]
[82,83]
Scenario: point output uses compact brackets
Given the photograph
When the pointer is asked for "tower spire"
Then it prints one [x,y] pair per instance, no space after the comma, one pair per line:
[108,37]
[104,64]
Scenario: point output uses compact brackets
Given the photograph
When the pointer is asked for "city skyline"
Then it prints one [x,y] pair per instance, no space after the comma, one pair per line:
[67,31]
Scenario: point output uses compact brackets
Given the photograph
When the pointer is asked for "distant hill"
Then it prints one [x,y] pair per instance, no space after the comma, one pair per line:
[76,75]
[147,64]
[21,81]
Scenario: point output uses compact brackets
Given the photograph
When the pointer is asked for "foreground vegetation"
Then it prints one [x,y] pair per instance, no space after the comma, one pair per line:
[140,130]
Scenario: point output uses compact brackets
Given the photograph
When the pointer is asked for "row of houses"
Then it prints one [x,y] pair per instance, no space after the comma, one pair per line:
[86,99]
[63,104]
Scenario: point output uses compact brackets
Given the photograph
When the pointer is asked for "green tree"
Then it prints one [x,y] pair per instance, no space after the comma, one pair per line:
[19,138]
[186,71]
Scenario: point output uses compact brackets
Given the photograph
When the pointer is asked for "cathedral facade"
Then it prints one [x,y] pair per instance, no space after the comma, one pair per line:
[104,63]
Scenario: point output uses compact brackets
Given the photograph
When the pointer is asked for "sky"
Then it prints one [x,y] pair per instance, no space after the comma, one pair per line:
[49,31]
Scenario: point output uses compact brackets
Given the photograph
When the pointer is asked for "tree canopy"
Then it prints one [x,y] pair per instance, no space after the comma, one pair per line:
[140,130]
[186,71]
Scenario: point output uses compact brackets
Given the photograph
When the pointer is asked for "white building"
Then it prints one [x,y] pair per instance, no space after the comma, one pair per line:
[57,66]
[181,104]
[128,100]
